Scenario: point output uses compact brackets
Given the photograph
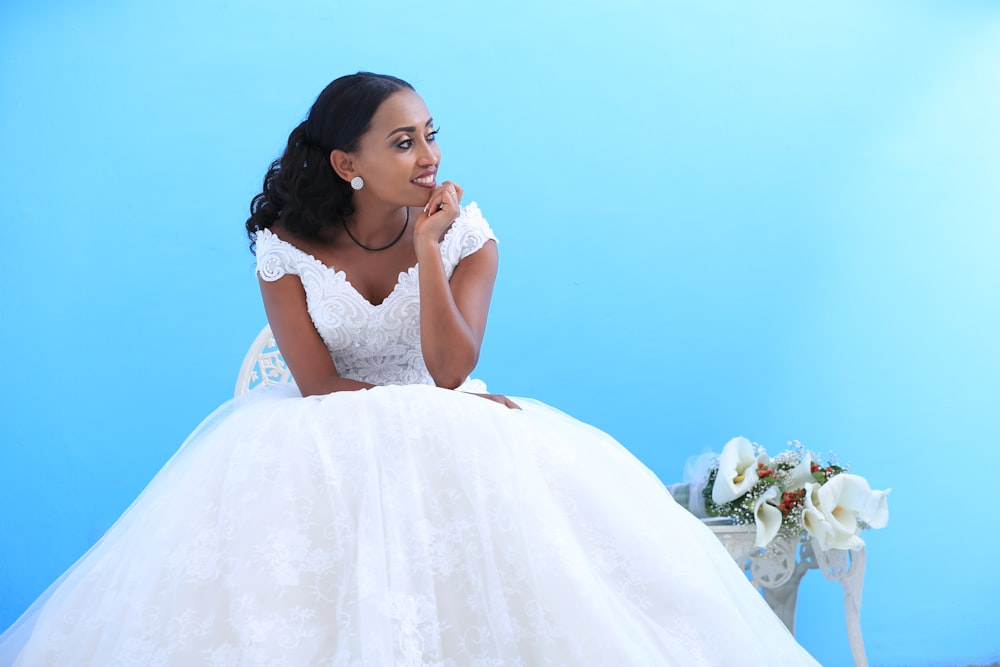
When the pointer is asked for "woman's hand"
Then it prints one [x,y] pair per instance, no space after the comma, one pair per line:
[440,211]
[502,400]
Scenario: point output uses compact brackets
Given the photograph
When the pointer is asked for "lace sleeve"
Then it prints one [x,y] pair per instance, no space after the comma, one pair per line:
[468,233]
[274,258]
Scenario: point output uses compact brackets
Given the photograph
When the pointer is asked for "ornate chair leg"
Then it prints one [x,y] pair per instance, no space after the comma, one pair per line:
[777,574]
[848,567]
[784,597]
[852,583]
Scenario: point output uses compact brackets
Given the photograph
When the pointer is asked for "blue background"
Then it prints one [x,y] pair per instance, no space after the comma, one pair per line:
[769,218]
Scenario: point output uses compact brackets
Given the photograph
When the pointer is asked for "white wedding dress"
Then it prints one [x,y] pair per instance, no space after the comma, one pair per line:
[401,525]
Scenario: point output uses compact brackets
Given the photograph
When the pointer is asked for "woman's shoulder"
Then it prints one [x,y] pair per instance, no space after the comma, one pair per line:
[467,234]
[277,256]
[470,213]
[470,219]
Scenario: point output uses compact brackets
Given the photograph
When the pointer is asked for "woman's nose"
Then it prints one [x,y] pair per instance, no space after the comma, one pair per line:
[429,154]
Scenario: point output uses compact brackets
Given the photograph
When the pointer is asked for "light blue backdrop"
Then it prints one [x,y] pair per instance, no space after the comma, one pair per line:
[776,219]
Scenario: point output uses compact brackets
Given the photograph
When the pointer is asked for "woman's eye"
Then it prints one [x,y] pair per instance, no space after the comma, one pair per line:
[407,144]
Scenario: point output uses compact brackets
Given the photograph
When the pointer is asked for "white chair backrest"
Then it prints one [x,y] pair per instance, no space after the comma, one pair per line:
[263,364]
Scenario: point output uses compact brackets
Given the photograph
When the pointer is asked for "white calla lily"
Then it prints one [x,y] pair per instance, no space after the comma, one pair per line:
[832,511]
[853,499]
[767,517]
[815,523]
[800,475]
[737,471]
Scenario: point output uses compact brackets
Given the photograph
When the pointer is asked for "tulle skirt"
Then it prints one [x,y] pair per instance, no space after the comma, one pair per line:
[402,525]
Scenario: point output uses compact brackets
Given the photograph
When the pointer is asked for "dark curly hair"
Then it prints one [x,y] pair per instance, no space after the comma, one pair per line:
[301,188]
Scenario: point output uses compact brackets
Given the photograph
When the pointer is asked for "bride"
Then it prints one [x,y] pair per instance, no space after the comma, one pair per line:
[387,511]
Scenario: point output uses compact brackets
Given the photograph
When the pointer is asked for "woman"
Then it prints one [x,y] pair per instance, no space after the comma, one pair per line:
[381,517]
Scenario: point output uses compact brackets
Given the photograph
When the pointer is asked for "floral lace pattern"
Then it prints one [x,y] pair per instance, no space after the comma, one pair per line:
[372,343]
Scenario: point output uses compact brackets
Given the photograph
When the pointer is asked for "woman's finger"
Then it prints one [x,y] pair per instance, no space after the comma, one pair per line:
[453,188]
[436,200]
[449,199]
[510,404]
[501,399]
[446,193]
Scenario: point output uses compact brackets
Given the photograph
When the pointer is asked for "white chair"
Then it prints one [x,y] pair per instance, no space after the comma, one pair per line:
[777,572]
[263,364]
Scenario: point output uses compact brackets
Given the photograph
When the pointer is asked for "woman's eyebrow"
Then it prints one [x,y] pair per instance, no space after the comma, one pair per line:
[409,128]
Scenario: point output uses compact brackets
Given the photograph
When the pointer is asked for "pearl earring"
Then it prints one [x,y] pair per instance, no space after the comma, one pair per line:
[357,182]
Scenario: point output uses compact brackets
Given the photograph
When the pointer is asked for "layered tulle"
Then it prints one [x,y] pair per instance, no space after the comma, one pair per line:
[402,525]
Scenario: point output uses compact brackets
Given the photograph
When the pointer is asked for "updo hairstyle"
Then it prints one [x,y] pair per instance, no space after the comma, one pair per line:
[301,188]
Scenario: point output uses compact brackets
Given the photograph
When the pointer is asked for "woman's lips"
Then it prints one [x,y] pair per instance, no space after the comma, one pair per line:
[425,180]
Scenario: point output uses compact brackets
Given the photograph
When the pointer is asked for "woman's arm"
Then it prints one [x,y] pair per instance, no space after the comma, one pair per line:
[300,344]
[452,313]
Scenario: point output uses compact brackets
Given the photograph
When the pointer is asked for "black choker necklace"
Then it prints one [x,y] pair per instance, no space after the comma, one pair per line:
[388,245]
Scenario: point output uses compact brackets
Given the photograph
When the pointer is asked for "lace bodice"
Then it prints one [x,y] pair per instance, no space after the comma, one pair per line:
[371,343]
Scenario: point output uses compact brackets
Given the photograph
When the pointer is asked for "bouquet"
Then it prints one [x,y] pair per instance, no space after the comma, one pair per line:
[792,495]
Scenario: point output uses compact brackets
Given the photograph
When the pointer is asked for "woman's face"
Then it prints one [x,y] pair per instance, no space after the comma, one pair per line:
[398,156]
